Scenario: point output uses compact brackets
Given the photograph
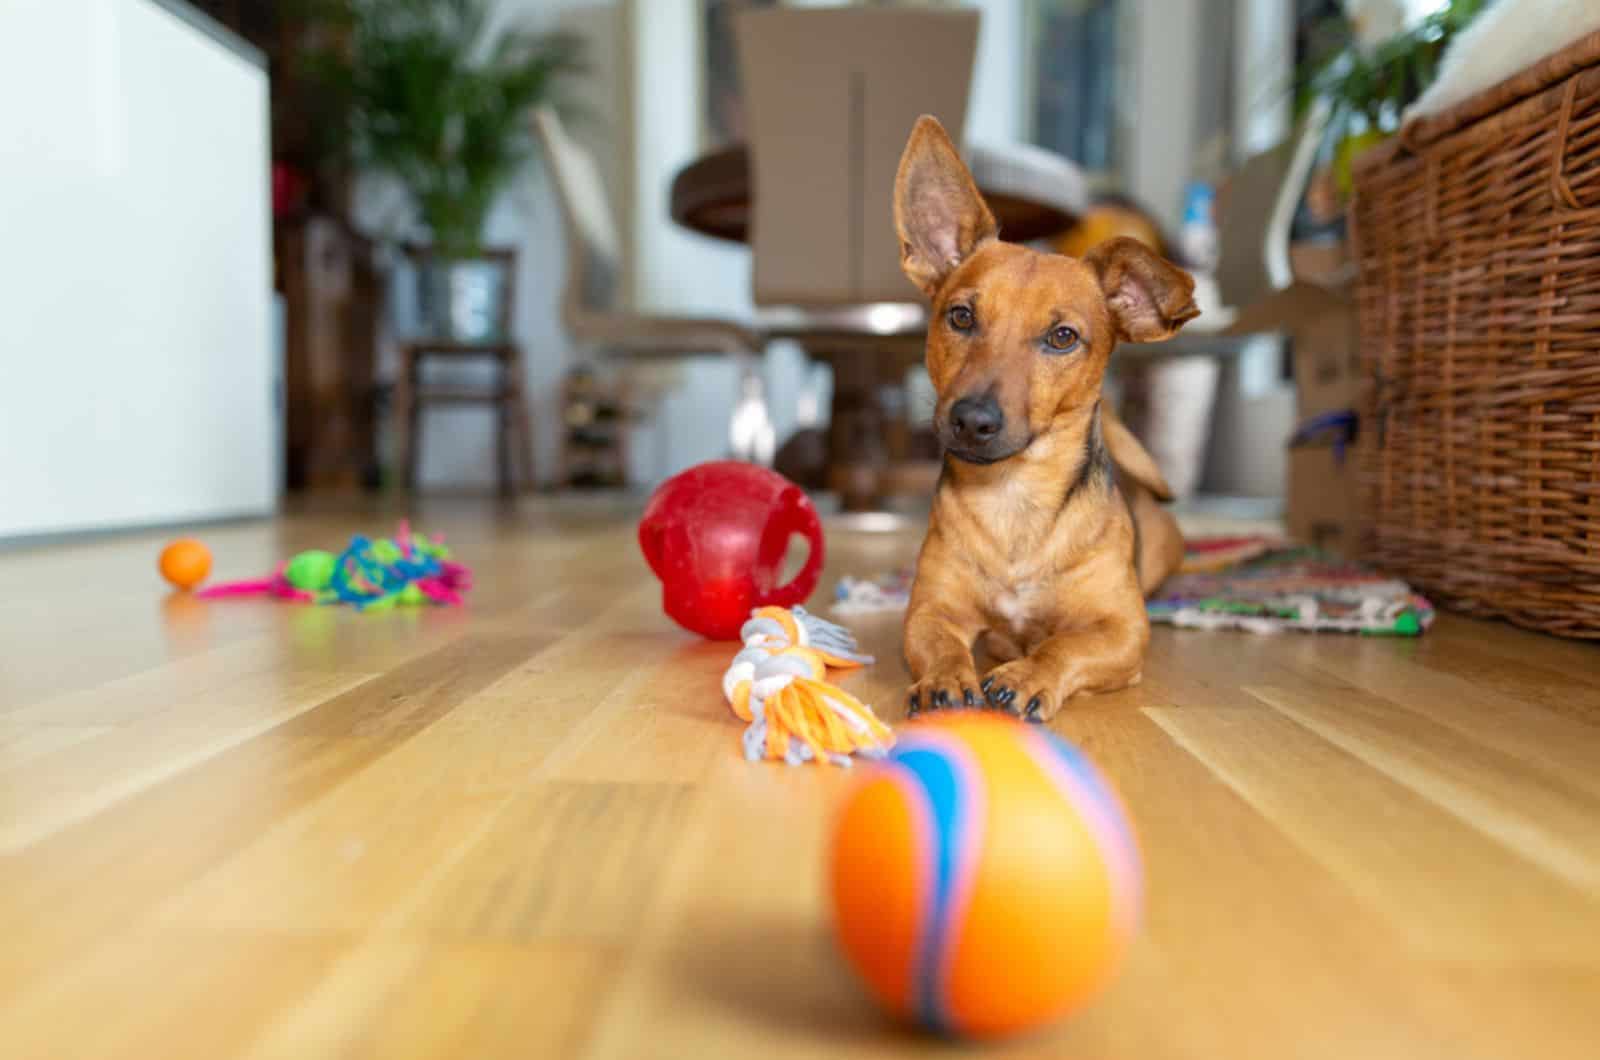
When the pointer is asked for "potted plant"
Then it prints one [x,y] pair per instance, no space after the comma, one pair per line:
[1365,78]
[431,95]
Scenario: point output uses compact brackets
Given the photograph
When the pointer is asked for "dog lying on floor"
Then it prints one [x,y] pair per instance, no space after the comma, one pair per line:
[1033,547]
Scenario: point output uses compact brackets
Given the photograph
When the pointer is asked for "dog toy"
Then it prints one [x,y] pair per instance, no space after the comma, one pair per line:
[372,575]
[778,683]
[985,879]
[717,535]
[886,592]
[185,563]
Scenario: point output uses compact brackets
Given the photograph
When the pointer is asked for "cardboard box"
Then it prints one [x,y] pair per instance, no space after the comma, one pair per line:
[1326,351]
[1325,262]
[1323,506]
[1325,343]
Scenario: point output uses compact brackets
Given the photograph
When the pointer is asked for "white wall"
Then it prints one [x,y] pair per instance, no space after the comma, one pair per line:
[1264,75]
[1166,78]
[135,271]
[997,110]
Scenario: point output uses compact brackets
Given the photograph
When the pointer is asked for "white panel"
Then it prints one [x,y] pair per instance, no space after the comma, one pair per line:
[995,115]
[677,271]
[1167,78]
[1263,70]
[135,271]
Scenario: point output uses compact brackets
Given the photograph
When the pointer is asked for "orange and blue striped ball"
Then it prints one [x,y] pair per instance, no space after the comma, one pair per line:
[985,878]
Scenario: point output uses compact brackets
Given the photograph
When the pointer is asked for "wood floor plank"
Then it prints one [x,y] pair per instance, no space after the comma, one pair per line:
[1237,907]
[1183,668]
[192,677]
[1537,815]
[21,743]
[379,837]
[612,841]
[187,997]
[1553,690]
[1449,890]
[1579,660]
[50,791]
[344,1011]
[488,1002]
[1552,741]
[165,836]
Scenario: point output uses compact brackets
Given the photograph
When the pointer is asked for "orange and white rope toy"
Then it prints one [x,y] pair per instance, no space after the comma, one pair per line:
[778,683]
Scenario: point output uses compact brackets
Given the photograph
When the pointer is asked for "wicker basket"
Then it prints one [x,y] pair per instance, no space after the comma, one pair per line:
[1478,238]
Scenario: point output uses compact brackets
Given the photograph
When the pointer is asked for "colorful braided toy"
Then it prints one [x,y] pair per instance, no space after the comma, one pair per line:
[778,684]
[409,569]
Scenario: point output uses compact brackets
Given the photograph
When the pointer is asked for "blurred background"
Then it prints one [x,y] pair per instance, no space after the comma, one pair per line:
[254,249]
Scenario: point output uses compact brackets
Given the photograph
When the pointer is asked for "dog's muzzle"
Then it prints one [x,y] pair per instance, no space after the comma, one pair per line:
[975,430]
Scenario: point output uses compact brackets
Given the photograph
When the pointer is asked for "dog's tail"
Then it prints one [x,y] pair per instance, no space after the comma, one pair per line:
[1158,548]
[1131,457]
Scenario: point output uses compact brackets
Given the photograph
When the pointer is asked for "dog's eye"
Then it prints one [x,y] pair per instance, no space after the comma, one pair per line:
[960,318]
[1061,339]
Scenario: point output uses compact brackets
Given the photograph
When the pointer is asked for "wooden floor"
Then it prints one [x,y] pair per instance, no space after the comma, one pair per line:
[524,829]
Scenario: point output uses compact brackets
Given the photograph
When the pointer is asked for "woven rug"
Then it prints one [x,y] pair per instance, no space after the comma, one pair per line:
[1256,584]
[1262,585]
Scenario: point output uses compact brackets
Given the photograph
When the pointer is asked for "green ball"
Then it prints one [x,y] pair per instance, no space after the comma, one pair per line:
[411,596]
[311,570]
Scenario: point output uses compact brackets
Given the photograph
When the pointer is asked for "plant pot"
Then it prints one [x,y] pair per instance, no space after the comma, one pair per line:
[462,299]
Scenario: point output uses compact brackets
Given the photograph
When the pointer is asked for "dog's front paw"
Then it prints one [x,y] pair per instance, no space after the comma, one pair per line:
[1024,688]
[944,689]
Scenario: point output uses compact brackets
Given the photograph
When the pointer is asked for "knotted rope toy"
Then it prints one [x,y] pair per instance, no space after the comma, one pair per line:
[778,683]
[371,575]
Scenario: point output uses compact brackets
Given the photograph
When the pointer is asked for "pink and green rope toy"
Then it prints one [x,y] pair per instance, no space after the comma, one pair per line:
[409,569]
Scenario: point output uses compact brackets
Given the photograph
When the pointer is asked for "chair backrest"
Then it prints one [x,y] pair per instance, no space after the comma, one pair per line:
[594,254]
[830,96]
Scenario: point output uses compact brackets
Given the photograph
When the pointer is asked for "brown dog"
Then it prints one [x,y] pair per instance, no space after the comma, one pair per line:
[1031,546]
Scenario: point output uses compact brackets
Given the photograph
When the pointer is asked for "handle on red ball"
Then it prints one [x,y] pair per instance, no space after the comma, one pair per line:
[801,518]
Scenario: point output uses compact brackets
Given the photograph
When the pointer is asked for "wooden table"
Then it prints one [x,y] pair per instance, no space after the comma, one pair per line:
[711,195]
[525,829]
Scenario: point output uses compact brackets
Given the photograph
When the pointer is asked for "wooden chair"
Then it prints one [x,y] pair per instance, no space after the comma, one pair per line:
[513,434]
[593,308]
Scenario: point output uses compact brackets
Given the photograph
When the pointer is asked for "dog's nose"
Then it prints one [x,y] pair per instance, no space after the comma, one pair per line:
[976,420]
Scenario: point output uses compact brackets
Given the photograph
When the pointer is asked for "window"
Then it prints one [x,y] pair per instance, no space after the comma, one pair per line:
[1079,92]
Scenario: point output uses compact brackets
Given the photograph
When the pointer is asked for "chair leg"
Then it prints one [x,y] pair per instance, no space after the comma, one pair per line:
[521,421]
[502,440]
[751,437]
[520,441]
[406,420]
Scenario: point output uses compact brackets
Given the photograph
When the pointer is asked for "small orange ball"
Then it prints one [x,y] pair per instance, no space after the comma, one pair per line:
[985,878]
[185,563]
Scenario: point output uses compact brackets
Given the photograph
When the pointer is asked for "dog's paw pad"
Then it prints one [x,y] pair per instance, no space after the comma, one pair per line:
[943,692]
[1015,689]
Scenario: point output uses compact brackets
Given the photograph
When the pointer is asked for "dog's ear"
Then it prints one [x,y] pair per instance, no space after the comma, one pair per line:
[938,213]
[1150,298]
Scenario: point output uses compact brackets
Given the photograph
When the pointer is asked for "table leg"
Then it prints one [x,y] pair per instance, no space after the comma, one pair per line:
[857,450]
